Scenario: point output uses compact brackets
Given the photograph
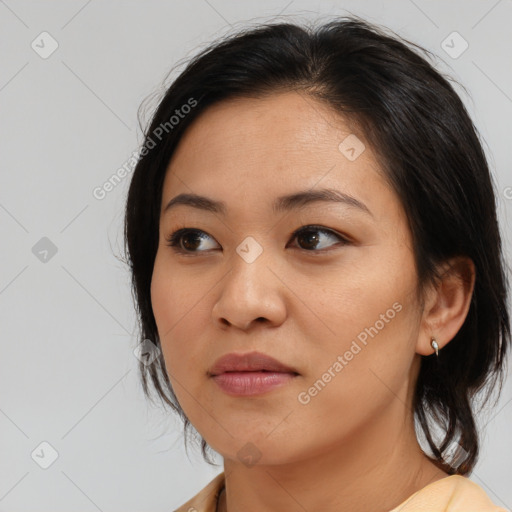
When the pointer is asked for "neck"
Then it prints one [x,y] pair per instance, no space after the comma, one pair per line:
[377,469]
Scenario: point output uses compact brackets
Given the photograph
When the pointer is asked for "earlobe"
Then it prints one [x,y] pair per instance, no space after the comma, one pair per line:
[446,306]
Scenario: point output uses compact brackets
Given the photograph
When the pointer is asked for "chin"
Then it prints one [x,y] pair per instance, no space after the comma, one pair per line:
[255,451]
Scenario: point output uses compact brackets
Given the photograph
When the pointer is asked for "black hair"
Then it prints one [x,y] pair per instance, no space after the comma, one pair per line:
[431,155]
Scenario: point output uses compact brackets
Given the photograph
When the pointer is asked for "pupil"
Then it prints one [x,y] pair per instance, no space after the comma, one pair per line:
[187,245]
[312,238]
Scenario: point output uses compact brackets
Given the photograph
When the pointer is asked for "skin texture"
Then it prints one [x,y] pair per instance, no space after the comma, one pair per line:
[353,445]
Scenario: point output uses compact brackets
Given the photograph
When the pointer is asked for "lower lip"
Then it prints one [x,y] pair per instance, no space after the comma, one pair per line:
[251,383]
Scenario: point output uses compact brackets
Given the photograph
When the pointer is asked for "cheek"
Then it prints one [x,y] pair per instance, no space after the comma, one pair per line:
[359,291]
[181,319]
[162,298]
[369,316]
[176,301]
[172,296]
[361,371]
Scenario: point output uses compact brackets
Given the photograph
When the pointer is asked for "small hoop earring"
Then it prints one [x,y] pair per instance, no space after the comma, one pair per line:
[435,346]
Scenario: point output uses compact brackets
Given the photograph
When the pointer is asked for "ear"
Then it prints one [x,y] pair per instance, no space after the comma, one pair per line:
[446,304]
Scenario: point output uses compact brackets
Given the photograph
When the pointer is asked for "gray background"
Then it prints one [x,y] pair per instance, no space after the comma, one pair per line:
[68,373]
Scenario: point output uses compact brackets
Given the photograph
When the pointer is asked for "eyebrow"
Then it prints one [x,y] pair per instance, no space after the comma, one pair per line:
[286,203]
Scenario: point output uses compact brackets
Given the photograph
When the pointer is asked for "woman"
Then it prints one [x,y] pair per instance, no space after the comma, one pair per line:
[316,259]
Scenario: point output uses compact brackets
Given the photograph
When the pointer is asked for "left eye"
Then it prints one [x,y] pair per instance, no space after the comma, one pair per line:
[186,240]
[311,238]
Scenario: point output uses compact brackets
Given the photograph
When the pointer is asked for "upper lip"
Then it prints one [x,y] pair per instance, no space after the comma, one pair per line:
[252,361]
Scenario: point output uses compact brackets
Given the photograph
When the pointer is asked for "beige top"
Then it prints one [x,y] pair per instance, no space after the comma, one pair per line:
[453,493]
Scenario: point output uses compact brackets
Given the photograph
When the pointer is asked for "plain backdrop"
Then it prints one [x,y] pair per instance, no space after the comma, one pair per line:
[76,432]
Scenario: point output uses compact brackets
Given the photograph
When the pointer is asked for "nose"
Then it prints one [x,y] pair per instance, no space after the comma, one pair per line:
[250,293]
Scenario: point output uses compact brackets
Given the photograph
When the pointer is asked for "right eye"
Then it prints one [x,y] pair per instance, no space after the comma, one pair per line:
[186,240]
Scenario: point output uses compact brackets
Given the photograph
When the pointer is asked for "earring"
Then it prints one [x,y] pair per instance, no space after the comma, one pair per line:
[435,346]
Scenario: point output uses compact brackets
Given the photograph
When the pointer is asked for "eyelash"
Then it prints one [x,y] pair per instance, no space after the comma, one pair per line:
[173,240]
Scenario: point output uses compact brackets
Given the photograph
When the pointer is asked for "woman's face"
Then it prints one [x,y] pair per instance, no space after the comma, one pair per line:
[341,311]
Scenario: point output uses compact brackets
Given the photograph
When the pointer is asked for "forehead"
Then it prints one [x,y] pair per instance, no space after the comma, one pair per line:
[279,126]
[248,150]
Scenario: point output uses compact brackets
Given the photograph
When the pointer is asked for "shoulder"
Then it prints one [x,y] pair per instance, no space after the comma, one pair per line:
[206,499]
[454,493]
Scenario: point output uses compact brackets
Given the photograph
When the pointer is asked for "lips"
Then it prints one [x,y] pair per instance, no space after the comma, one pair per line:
[249,362]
